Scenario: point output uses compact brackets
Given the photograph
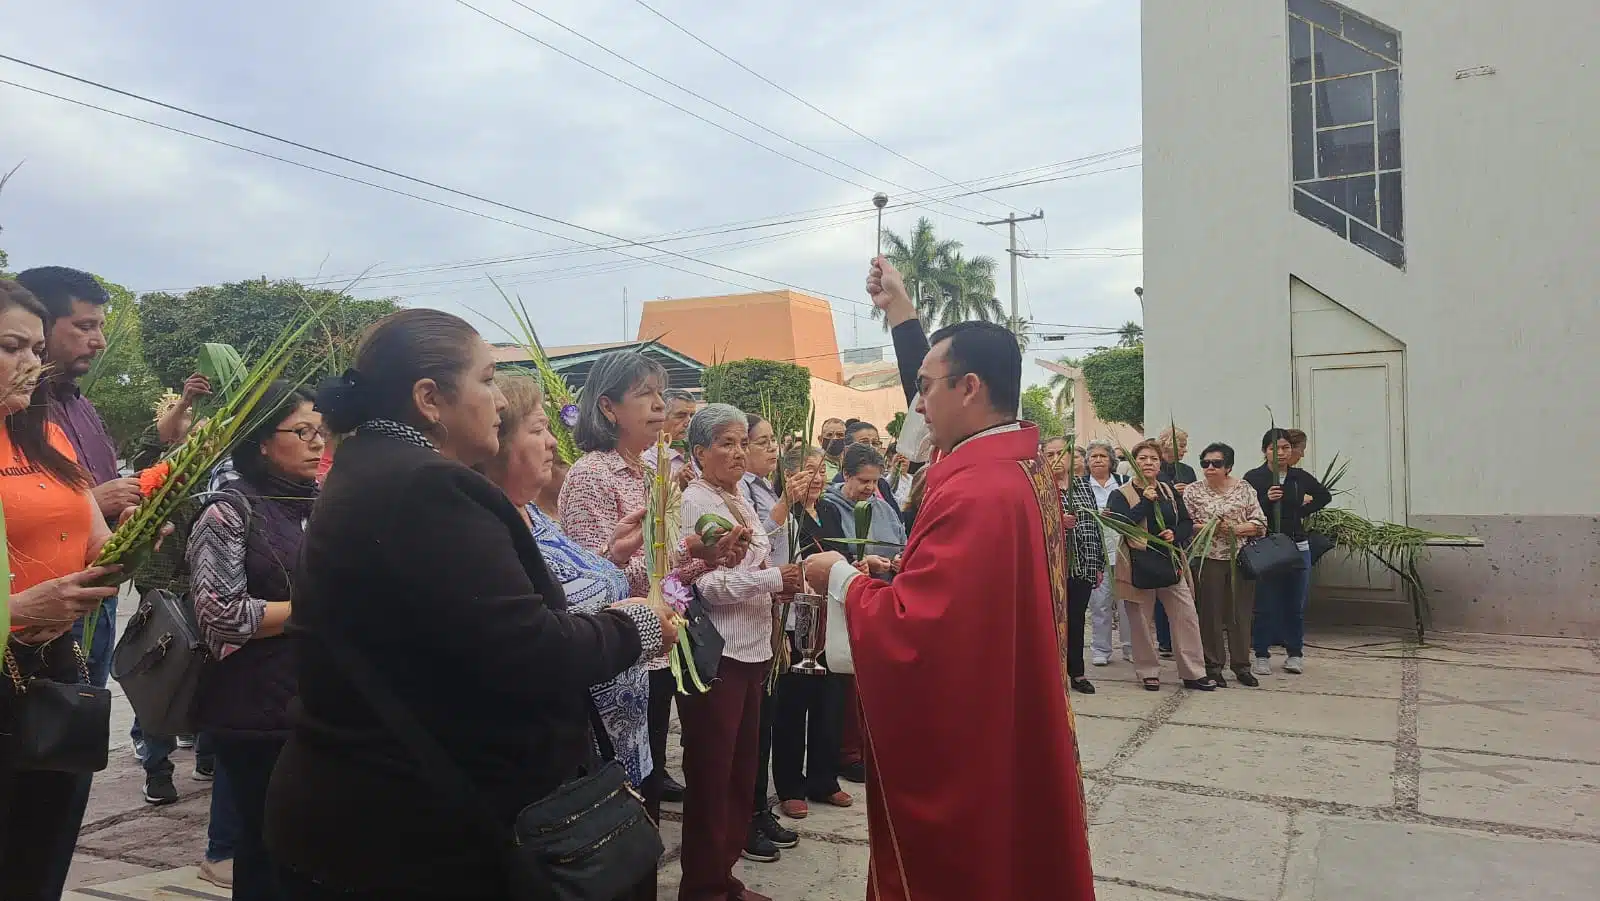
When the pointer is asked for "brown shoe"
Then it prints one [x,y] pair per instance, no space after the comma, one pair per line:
[838,799]
[795,809]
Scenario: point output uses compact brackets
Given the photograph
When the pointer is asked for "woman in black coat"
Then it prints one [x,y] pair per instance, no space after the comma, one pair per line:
[419,571]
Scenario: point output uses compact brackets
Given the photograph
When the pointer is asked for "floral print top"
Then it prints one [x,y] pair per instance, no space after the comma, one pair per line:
[1236,504]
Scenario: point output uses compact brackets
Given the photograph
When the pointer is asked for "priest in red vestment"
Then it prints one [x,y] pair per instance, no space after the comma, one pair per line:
[975,789]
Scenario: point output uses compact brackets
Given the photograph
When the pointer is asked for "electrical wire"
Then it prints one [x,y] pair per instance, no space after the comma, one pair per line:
[806,103]
[698,96]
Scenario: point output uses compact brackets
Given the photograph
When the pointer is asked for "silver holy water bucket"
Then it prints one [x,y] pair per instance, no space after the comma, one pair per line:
[810,633]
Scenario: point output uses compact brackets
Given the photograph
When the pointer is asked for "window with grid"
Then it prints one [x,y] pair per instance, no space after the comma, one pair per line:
[1344,115]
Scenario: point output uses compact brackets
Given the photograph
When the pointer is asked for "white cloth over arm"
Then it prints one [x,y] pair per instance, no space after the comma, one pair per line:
[840,659]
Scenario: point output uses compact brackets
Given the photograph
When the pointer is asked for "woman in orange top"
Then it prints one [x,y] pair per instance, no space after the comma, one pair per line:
[53,531]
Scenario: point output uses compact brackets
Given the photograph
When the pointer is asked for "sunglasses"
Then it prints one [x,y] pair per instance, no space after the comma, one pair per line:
[1213,464]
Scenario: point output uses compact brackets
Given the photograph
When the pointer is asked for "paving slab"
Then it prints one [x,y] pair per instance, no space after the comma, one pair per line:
[1557,654]
[1111,891]
[836,824]
[1373,675]
[1335,716]
[174,835]
[1523,792]
[1121,698]
[1099,739]
[90,870]
[1337,859]
[1543,714]
[1189,843]
[813,871]
[1312,769]
[182,884]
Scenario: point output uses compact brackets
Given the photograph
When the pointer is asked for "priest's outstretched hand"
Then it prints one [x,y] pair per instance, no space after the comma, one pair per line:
[818,566]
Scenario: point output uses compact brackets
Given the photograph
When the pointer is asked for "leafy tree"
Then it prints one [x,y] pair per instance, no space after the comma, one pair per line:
[1038,408]
[1115,379]
[124,389]
[249,315]
[1130,335]
[754,385]
[969,290]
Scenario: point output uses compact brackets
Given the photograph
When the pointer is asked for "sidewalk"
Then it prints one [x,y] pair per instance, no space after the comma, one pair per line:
[1466,770]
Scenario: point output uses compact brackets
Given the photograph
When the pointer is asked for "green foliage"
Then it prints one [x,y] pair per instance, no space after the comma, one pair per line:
[1131,334]
[754,385]
[248,315]
[124,389]
[946,286]
[896,424]
[1115,379]
[1039,408]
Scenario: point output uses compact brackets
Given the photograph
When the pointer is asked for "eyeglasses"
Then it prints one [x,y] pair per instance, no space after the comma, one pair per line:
[306,433]
[1213,464]
[875,442]
[925,382]
[763,442]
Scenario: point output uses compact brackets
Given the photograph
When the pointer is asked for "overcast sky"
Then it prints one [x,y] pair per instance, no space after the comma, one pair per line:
[432,89]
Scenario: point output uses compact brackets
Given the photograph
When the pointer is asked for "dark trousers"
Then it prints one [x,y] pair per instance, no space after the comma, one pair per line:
[769,711]
[39,813]
[300,888]
[249,762]
[1281,610]
[721,745]
[1226,614]
[1078,591]
[851,748]
[1163,628]
[805,736]
[105,640]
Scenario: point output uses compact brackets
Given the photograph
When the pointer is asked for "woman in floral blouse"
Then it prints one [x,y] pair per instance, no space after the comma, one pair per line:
[1225,599]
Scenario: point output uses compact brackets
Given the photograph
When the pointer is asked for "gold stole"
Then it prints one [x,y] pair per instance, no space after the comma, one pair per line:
[1048,494]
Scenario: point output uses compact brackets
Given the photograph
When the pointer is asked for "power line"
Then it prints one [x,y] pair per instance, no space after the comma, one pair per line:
[746,119]
[439,187]
[804,102]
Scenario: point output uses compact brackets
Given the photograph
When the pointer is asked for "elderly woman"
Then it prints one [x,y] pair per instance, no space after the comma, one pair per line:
[1088,551]
[1225,599]
[860,475]
[1102,481]
[1154,506]
[722,727]
[621,413]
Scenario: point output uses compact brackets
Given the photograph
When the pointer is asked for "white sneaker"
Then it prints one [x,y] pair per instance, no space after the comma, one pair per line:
[1262,667]
[1101,660]
[1294,665]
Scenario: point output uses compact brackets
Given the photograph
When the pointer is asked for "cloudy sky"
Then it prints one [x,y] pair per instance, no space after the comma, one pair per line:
[1036,91]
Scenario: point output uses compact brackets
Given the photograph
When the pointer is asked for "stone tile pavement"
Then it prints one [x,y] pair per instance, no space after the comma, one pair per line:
[1467,769]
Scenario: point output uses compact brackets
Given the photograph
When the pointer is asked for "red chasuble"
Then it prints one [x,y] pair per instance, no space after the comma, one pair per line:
[972,757]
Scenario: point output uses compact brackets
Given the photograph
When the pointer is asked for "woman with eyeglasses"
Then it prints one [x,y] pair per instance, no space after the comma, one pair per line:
[1224,598]
[1088,544]
[242,553]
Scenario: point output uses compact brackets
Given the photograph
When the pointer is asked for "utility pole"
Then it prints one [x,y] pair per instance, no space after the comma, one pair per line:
[1012,221]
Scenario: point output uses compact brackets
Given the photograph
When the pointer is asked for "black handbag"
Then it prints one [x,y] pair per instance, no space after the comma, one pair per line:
[1320,546]
[62,727]
[158,663]
[1151,568]
[1274,555]
[589,840]
[705,642]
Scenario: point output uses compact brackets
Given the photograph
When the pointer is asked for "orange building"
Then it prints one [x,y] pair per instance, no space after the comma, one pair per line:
[784,325]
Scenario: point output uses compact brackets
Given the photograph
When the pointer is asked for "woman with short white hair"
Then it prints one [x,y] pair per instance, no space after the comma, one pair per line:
[721,727]
[1104,606]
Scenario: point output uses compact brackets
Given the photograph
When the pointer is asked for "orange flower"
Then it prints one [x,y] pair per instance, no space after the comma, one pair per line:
[151,480]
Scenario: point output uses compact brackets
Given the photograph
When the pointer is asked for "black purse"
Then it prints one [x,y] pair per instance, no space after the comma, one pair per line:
[62,727]
[1320,546]
[589,840]
[158,663]
[1274,555]
[705,642]
[1151,568]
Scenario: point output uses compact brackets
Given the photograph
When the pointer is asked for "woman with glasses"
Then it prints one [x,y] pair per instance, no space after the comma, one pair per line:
[865,433]
[1088,557]
[1225,599]
[242,555]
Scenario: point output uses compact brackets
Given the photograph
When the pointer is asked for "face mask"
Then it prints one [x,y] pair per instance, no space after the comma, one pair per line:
[833,447]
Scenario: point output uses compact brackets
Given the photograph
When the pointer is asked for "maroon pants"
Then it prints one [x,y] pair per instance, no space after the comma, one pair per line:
[850,747]
[721,732]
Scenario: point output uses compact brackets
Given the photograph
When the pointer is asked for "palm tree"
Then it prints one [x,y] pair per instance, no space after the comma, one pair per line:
[969,290]
[1061,386]
[922,261]
[1130,335]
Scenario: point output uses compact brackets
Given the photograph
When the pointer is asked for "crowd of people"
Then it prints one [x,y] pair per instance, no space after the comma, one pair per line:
[1212,616]
[440,622]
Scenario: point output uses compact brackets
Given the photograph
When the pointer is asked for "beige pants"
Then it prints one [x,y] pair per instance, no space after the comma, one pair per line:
[1178,600]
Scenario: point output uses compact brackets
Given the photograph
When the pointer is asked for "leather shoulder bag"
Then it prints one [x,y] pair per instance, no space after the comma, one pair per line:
[158,663]
[62,727]
[1148,568]
[589,840]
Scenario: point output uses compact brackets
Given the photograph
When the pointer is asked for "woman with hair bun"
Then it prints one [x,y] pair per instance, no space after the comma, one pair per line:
[421,581]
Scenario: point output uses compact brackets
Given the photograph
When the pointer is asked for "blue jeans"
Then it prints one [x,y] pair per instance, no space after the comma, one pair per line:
[223,829]
[1163,628]
[1280,611]
[105,640]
